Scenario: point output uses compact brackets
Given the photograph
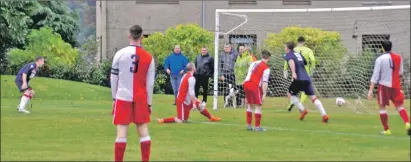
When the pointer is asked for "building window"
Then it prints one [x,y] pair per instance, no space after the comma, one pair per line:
[372,42]
[157,1]
[376,3]
[249,40]
[296,2]
[242,2]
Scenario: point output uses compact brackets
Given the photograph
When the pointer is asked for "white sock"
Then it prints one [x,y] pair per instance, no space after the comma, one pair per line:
[319,107]
[146,138]
[294,100]
[23,102]
[121,140]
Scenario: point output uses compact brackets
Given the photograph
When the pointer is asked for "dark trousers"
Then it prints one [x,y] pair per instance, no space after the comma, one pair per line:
[230,79]
[202,81]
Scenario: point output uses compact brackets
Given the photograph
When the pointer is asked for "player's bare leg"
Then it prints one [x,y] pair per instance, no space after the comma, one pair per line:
[320,108]
[257,116]
[27,95]
[121,142]
[295,101]
[384,121]
[404,115]
[290,107]
[249,116]
[145,141]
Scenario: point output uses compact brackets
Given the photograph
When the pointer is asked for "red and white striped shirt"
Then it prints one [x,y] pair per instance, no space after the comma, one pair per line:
[258,72]
[387,70]
[186,89]
[132,75]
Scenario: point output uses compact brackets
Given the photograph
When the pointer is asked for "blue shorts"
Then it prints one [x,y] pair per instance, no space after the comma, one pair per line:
[301,85]
[19,84]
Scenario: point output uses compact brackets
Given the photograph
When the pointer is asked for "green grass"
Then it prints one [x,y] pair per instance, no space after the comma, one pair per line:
[72,121]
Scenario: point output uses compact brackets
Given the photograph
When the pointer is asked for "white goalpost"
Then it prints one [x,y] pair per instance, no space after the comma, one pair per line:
[359,34]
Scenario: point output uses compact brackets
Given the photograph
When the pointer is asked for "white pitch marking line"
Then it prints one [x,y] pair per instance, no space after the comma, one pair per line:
[320,132]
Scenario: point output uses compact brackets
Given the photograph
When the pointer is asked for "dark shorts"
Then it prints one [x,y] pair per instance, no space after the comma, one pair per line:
[301,85]
[20,83]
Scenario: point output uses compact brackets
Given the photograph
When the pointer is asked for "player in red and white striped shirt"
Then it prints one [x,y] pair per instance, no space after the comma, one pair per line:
[132,82]
[186,99]
[387,74]
[255,89]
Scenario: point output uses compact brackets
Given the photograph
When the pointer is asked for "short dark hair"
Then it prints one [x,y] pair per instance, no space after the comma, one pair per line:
[386,45]
[39,58]
[290,45]
[136,31]
[265,54]
[301,40]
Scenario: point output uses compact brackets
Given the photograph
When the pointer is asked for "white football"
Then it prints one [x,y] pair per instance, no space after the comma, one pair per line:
[339,101]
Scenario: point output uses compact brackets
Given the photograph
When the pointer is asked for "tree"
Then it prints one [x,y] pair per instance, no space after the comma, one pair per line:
[46,43]
[14,24]
[59,17]
[17,18]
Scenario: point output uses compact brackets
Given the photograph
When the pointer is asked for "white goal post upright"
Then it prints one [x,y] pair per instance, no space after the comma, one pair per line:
[233,11]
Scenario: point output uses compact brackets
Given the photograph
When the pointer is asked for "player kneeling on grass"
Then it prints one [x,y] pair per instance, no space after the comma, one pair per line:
[186,100]
[132,82]
[22,81]
[257,77]
[301,82]
[387,73]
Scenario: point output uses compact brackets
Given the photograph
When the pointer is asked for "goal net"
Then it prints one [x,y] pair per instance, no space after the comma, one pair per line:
[345,43]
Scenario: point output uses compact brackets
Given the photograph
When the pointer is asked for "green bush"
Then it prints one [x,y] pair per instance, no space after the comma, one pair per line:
[190,37]
[46,43]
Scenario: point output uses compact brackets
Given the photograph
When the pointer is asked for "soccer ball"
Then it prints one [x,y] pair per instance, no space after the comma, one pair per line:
[339,101]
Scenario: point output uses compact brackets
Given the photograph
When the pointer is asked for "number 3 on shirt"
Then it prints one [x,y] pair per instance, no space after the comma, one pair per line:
[134,63]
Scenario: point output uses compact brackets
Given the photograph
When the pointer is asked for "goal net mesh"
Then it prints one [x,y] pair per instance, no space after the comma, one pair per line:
[345,45]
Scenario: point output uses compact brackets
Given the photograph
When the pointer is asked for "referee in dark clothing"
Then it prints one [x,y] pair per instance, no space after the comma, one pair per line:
[205,69]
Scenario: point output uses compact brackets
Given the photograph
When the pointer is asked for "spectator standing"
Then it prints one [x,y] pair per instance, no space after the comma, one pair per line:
[243,61]
[205,69]
[227,62]
[175,66]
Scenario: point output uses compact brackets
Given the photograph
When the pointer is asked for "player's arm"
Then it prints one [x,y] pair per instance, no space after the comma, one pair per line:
[285,72]
[151,73]
[292,68]
[401,67]
[266,76]
[191,92]
[375,77]
[24,76]
[114,76]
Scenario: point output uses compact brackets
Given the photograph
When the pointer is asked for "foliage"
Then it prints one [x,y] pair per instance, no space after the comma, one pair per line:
[190,37]
[18,18]
[45,43]
[89,48]
[87,18]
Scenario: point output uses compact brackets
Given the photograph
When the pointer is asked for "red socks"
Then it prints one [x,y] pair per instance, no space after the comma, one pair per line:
[145,146]
[384,120]
[206,113]
[257,119]
[249,117]
[404,115]
[169,120]
[119,148]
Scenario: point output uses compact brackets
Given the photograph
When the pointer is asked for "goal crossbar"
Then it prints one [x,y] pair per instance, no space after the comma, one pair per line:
[220,11]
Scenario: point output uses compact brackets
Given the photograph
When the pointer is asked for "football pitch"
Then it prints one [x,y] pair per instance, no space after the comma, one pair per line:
[71,121]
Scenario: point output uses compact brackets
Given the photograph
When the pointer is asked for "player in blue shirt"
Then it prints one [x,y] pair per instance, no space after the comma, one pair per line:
[22,81]
[301,81]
